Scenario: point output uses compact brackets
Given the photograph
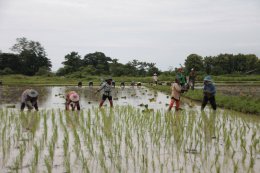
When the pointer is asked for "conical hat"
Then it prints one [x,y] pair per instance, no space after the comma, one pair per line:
[74,97]
[208,78]
[32,93]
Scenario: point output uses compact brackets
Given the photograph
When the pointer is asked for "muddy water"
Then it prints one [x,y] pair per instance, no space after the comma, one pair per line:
[125,139]
[236,90]
[54,97]
[245,90]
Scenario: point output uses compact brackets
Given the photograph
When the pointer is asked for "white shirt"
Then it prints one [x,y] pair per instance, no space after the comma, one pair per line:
[106,88]
[155,78]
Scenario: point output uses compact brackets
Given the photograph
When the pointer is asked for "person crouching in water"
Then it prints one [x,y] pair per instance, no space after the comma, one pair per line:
[209,92]
[107,87]
[29,98]
[72,100]
[175,95]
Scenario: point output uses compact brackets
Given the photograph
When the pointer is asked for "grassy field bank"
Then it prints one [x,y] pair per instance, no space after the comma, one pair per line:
[238,103]
[56,80]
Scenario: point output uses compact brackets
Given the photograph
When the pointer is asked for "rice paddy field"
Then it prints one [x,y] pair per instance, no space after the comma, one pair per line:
[137,135]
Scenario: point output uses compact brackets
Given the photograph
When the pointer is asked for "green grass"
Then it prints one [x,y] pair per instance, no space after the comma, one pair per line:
[56,80]
[238,103]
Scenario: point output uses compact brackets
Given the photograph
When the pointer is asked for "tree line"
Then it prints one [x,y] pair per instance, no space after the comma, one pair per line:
[224,64]
[99,64]
[30,58]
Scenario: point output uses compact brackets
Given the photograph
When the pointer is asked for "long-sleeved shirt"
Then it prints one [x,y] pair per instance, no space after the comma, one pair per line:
[155,78]
[209,89]
[68,101]
[181,78]
[106,89]
[28,101]
[176,91]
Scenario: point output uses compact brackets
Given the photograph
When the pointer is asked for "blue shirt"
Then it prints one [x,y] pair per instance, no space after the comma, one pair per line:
[209,88]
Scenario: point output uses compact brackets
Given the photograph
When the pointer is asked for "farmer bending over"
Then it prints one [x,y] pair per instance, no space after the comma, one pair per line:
[72,100]
[29,99]
[209,92]
[107,87]
[176,94]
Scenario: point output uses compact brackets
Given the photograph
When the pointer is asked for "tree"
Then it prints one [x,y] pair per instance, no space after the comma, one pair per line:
[6,71]
[12,61]
[64,70]
[32,55]
[208,64]
[73,60]
[99,61]
[194,61]
[43,71]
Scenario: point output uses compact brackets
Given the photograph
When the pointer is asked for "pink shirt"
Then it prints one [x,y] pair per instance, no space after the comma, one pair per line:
[176,91]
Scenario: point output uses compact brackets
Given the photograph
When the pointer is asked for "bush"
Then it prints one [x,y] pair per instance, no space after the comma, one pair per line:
[6,71]
[43,71]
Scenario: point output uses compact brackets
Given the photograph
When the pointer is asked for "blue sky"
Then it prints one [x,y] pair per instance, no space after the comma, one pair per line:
[161,31]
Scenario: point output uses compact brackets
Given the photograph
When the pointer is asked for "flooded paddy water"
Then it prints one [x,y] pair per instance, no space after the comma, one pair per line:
[137,135]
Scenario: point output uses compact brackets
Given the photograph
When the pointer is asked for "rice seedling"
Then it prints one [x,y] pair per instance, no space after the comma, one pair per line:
[67,163]
[126,139]
[48,164]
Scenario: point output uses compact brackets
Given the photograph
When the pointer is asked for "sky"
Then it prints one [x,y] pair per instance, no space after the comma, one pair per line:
[164,32]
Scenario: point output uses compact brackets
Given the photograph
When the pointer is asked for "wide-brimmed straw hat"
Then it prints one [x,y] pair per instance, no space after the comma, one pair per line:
[32,93]
[208,78]
[74,97]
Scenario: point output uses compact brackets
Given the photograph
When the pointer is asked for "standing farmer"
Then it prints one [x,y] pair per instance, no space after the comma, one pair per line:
[107,88]
[155,78]
[72,100]
[175,95]
[29,98]
[192,77]
[181,77]
[209,92]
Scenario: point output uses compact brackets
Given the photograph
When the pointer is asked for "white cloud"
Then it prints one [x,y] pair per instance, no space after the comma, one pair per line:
[165,31]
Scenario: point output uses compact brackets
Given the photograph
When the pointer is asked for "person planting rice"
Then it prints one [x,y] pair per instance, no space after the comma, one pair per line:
[29,98]
[122,84]
[106,87]
[90,84]
[79,84]
[113,83]
[209,92]
[155,78]
[72,100]
[175,95]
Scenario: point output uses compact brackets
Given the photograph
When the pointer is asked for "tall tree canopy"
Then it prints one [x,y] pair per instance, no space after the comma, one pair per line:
[223,63]
[99,64]
[194,61]
[30,57]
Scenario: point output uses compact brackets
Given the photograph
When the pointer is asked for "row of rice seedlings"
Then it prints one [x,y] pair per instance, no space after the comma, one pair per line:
[49,159]
[35,159]
[142,139]
[18,162]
